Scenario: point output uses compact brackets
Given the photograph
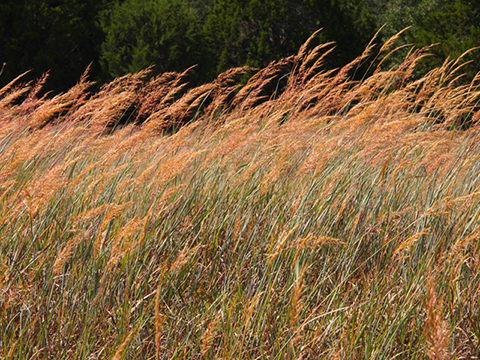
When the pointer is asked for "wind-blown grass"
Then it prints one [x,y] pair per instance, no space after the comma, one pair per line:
[328,218]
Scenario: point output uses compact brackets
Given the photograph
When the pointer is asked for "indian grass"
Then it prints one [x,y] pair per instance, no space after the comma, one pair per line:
[331,218]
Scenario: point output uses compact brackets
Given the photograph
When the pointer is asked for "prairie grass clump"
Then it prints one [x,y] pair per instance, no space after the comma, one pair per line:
[329,218]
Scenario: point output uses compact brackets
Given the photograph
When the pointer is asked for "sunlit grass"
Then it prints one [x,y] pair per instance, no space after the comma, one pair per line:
[329,219]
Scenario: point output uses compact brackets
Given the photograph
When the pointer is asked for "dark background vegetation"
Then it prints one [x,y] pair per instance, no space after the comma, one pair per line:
[63,37]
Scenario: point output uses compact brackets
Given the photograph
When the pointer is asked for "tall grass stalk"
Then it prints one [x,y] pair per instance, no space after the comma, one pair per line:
[329,218]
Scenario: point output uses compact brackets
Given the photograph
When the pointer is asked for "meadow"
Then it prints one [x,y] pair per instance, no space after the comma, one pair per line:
[302,215]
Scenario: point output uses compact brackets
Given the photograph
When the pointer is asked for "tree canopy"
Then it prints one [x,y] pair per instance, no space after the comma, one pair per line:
[255,32]
[124,36]
[57,36]
[143,33]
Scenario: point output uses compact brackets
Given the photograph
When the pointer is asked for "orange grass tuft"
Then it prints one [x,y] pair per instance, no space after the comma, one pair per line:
[436,332]
[268,221]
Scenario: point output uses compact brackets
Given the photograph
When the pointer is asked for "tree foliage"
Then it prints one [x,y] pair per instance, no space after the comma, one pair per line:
[125,36]
[255,32]
[455,26]
[142,33]
[452,25]
[44,35]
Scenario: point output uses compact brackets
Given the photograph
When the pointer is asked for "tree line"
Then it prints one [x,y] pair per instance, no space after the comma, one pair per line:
[64,37]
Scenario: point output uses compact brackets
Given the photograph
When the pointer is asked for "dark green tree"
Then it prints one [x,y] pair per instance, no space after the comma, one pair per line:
[454,25]
[254,32]
[59,36]
[163,33]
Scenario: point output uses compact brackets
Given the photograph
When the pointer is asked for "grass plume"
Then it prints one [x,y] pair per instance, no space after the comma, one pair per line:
[305,214]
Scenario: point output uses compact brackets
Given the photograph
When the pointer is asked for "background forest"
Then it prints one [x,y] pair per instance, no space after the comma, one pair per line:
[125,36]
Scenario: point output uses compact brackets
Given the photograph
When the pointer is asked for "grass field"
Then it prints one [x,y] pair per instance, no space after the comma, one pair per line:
[300,216]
